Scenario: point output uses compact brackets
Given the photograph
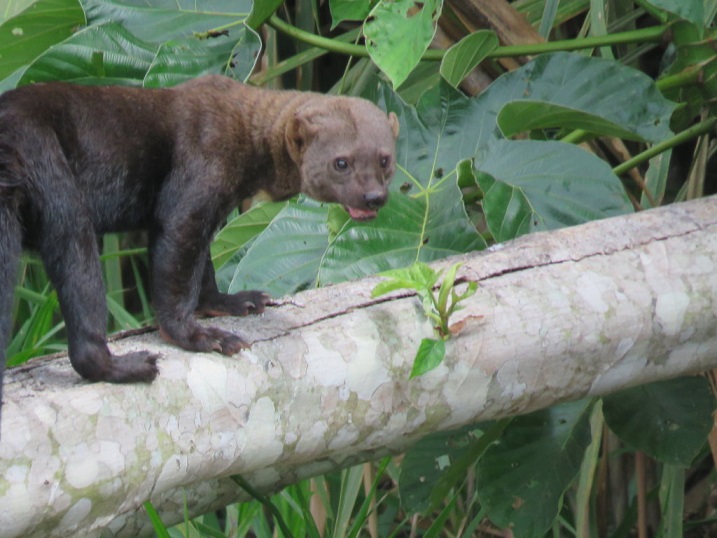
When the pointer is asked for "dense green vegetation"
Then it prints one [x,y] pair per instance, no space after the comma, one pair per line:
[632,81]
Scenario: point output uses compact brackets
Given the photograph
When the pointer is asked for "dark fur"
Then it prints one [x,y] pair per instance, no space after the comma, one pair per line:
[76,162]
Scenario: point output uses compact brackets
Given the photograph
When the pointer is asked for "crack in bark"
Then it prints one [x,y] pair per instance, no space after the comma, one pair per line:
[634,244]
[336,314]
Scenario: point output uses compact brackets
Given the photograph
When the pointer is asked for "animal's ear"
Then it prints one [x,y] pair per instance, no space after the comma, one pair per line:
[299,132]
[393,122]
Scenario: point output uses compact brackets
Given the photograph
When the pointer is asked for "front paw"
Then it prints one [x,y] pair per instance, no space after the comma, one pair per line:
[237,304]
[207,339]
[139,366]
[249,302]
[224,342]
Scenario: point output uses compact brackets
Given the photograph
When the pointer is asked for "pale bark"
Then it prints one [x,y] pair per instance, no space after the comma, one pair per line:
[557,316]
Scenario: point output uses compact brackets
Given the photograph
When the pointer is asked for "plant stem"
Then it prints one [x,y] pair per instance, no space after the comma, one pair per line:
[687,77]
[688,134]
[331,45]
[645,35]
[301,58]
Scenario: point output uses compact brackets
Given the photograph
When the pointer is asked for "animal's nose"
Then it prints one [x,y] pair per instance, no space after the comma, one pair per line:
[375,199]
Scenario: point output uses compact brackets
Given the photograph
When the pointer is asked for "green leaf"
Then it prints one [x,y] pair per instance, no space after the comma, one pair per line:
[429,355]
[585,92]
[520,116]
[550,11]
[43,24]
[233,54]
[32,337]
[521,479]
[286,256]
[446,289]
[656,180]
[429,459]
[668,420]
[106,54]
[157,21]
[425,77]
[418,276]
[672,501]
[691,10]
[159,528]
[465,55]
[441,461]
[398,33]
[156,43]
[189,39]
[351,480]
[349,10]
[530,185]
[240,230]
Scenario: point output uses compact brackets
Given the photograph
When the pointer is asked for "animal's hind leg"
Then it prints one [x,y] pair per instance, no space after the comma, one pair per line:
[69,250]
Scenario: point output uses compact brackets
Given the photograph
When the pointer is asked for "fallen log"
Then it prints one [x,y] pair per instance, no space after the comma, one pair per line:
[557,316]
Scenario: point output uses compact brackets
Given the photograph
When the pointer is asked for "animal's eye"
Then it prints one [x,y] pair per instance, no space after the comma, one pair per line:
[385,161]
[341,164]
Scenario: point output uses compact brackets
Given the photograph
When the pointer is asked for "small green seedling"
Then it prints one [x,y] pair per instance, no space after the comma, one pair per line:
[437,307]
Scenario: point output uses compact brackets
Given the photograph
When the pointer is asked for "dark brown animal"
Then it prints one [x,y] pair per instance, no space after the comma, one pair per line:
[79,161]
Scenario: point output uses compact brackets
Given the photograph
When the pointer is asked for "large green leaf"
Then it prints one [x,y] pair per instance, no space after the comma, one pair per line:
[285,258]
[521,478]
[189,39]
[398,33]
[691,10]
[231,53]
[530,185]
[527,115]
[27,35]
[156,21]
[669,420]
[243,228]
[597,95]
[105,54]
[152,43]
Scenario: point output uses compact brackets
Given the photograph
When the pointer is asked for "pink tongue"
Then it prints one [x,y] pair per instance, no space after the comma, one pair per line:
[361,214]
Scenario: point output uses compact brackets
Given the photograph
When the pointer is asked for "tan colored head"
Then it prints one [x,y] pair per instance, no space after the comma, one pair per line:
[344,148]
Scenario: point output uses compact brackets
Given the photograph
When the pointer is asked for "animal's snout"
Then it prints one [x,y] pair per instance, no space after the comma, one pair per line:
[375,199]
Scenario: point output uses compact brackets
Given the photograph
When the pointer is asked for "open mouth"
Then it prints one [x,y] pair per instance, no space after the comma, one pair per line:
[361,214]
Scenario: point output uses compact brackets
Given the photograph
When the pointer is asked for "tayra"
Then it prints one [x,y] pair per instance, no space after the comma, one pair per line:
[79,161]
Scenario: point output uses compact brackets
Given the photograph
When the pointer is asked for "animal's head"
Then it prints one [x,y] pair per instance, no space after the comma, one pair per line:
[344,148]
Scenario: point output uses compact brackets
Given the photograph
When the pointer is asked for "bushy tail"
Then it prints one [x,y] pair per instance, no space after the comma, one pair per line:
[10,249]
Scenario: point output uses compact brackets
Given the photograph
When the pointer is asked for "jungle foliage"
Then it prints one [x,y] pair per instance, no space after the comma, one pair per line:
[570,111]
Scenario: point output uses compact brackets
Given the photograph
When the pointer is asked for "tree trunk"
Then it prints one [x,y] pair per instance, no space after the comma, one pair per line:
[558,316]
